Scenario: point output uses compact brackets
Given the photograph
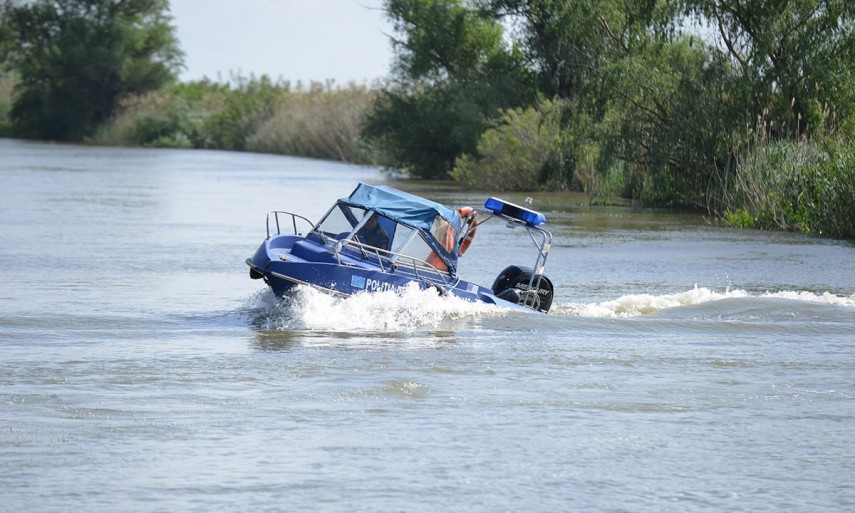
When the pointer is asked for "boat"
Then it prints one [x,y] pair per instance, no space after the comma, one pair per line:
[382,239]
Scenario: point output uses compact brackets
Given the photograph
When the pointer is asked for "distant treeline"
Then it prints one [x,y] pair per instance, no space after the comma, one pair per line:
[743,109]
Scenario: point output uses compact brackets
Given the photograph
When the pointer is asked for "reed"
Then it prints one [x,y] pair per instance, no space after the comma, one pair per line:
[157,119]
[254,114]
[790,176]
[806,186]
[320,122]
[7,85]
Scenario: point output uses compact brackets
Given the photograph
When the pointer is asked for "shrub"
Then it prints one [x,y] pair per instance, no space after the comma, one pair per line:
[740,218]
[521,153]
[158,119]
[244,109]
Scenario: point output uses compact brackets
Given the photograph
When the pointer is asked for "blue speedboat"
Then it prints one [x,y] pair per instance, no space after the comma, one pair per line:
[380,238]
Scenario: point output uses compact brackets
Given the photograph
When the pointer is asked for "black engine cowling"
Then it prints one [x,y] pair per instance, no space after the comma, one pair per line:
[512,285]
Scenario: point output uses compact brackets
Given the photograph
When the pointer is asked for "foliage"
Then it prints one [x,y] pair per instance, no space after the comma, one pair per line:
[245,106]
[659,99]
[794,56]
[158,119]
[252,113]
[739,218]
[454,75]
[745,109]
[7,84]
[200,114]
[570,43]
[806,187]
[670,122]
[631,89]
[517,154]
[423,132]
[77,59]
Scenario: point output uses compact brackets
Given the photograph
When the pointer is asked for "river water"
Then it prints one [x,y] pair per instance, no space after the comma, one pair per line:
[684,367]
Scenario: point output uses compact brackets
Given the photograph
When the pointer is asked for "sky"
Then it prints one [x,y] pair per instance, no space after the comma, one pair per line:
[293,40]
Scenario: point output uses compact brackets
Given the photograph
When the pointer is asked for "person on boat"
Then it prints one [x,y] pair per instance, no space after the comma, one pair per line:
[372,234]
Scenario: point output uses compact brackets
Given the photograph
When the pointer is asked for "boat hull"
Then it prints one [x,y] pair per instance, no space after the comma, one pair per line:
[282,265]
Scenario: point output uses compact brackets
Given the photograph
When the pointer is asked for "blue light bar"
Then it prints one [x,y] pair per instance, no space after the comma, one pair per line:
[529,217]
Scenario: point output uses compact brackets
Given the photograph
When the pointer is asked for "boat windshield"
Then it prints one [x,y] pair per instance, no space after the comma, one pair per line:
[361,225]
[376,231]
[369,228]
[340,221]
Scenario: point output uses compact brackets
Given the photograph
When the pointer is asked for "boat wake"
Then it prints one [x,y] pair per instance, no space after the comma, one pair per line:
[635,305]
[406,310]
[414,309]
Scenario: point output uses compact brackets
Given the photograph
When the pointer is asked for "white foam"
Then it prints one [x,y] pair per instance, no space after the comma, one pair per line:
[409,309]
[640,304]
[825,298]
[415,309]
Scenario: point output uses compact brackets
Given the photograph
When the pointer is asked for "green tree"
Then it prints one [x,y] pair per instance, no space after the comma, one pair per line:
[76,59]
[796,57]
[570,44]
[672,122]
[634,89]
[454,74]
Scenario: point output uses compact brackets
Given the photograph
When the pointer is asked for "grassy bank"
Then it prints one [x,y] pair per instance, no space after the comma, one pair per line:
[256,114]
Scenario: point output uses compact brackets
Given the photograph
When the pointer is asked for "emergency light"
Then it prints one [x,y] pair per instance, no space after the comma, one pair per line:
[529,217]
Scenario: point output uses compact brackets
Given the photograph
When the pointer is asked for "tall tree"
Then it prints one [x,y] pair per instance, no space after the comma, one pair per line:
[570,44]
[797,57]
[76,59]
[627,79]
[454,76]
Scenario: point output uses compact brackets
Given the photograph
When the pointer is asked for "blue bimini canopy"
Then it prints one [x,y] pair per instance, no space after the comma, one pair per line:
[410,210]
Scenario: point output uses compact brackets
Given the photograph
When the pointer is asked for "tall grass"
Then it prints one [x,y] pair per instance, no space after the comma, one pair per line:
[7,84]
[806,186]
[255,114]
[321,122]
[783,178]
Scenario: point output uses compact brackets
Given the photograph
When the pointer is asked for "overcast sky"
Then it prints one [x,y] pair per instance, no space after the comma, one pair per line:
[343,40]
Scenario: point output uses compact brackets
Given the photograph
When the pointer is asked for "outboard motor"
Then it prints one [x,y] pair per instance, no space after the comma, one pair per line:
[512,285]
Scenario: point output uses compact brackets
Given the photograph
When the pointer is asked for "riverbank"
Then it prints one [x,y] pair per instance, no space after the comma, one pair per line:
[806,185]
